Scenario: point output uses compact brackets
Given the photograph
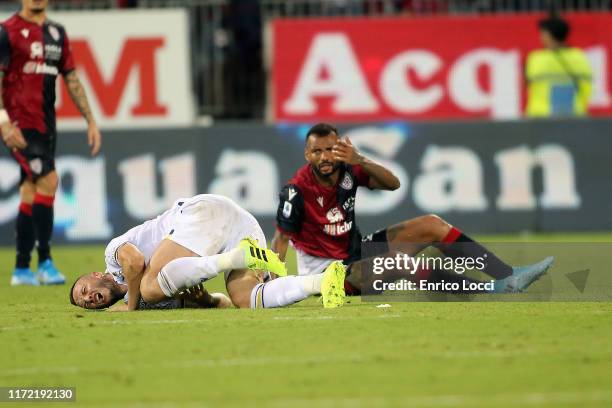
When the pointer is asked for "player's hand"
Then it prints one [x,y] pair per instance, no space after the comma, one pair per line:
[94,139]
[344,151]
[12,136]
[194,293]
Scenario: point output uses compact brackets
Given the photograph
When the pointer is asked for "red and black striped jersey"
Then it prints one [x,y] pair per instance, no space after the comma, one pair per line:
[31,57]
[321,220]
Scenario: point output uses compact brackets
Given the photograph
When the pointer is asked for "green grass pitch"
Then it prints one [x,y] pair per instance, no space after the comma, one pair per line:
[409,355]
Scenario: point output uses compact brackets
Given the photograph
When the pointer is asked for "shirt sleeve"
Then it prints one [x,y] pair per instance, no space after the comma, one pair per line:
[290,213]
[5,49]
[67,62]
[110,254]
[363,178]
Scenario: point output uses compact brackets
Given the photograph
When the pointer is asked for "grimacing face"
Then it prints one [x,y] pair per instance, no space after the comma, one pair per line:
[35,6]
[319,154]
[96,291]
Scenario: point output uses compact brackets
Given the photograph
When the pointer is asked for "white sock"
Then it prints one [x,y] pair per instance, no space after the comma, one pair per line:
[285,291]
[182,273]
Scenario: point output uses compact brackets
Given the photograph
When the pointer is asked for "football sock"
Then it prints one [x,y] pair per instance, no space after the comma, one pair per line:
[182,273]
[42,215]
[285,291]
[24,232]
[456,244]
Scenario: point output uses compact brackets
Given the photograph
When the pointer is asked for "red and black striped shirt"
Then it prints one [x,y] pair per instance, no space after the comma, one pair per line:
[31,57]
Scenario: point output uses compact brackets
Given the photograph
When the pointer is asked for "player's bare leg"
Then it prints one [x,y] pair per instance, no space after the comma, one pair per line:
[25,237]
[240,285]
[414,235]
[167,251]
[174,268]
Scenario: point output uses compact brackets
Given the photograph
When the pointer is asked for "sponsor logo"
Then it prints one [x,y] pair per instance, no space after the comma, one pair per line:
[53,52]
[347,182]
[292,193]
[54,32]
[36,50]
[349,204]
[335,215]
[338,229]
[32,67]
[287,207]
[320,201]
[328,77]
[336,226]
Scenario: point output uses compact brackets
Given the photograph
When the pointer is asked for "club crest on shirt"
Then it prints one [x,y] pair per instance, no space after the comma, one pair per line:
[287,207]
[36,166]
[347,182]
[320,201]
[25,32]
[54,33]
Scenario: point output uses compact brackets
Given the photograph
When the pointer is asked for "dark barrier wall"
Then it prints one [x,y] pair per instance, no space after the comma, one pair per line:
[483,177]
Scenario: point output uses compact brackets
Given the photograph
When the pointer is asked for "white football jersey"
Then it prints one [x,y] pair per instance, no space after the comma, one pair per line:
[146,237]
[206,224]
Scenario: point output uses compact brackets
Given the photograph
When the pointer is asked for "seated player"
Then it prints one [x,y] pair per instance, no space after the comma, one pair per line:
[192,242]
[316,213]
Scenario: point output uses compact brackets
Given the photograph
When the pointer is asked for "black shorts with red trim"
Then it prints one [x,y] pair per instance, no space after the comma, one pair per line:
[379,237]
[38,158]
[382,247]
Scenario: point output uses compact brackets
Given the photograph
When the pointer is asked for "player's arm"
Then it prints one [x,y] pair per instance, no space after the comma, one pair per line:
[289,218]
[78,96]
[280,243]
[11,134]
[381,178]
[132,263]
[118,307]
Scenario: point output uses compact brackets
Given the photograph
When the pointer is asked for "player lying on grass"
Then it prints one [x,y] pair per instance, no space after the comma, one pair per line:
[316,213]
[196,297]
[194,241]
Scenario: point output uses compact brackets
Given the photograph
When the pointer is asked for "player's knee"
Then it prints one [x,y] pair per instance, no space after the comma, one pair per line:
[435,228]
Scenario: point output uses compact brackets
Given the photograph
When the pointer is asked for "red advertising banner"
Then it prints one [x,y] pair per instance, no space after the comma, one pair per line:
[347,70]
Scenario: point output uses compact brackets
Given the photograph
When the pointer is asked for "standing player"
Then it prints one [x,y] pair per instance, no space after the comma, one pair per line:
[33,51]
[317,214]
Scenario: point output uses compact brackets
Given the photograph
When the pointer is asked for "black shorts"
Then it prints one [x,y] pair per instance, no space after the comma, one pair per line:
[380,246]
[38,158]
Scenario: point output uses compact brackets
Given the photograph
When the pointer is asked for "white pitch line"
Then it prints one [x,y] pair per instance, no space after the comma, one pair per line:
[383,316]
[191,321]
[246,362]
[262,361]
